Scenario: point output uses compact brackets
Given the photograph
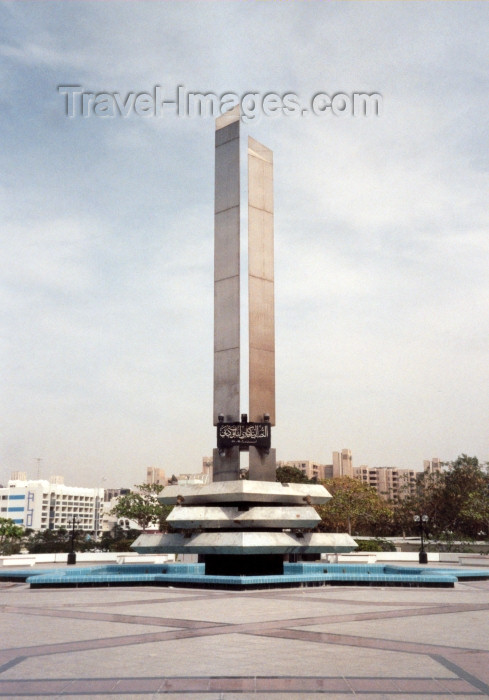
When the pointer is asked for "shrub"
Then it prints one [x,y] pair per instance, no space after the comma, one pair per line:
[378,544]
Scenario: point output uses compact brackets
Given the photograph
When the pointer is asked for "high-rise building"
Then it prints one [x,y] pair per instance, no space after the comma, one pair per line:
[156,476]
[342,463]
[432,466]
[42,505]
[391,483]
[207,467]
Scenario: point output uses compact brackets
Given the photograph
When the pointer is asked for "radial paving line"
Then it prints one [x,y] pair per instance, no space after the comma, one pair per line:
[441,609]
[469,665]
[358,641]
[439,653]
[112,617]
[461,672]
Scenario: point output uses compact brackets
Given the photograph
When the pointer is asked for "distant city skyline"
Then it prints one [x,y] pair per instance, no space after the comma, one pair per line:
[381,245]
[390,482]
[341,463]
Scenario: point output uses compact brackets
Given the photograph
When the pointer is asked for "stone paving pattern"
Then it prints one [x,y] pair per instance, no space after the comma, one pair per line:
[143,642]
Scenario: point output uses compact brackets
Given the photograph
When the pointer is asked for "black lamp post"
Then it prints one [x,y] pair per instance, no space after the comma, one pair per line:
[422,520]
[72,554]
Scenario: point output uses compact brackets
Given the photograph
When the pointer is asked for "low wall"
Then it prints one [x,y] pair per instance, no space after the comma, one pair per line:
[135,558]
[434,557]
[471,560]
[60,558]
[24,560]
[413,556]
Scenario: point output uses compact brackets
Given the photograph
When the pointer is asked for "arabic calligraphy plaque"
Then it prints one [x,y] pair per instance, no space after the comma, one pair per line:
[244,435]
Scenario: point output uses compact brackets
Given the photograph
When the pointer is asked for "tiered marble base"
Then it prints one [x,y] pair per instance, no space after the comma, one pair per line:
[244,527]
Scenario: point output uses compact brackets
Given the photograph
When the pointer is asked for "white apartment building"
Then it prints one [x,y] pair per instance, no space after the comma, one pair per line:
[207,466]
[311,470]
[154,475]
[391,483]
[432,466]
[44,505]
[342,463]
[193,479]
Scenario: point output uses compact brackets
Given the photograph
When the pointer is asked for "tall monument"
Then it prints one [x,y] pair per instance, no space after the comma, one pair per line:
[244,527]
[227,304]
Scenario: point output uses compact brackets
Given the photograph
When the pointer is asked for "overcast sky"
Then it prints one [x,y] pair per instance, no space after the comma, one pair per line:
[381,233]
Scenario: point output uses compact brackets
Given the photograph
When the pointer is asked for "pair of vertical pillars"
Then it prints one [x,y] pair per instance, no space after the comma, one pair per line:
[227,305]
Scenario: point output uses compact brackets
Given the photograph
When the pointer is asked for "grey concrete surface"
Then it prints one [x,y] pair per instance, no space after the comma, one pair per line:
[261,296]
[147,642]
[245,491]
[227,281]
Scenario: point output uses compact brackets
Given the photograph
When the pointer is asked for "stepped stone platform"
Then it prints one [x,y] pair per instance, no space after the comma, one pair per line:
[244,543]
[245,491]
[244,527]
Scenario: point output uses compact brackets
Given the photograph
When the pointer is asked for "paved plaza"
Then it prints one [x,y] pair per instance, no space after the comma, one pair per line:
[143,642]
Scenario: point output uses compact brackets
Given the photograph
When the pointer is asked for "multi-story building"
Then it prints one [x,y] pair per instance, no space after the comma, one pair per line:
[311,470]
[19,476]
[342,463]
[432,466]
[192,479]
[43,505]
[154,475]
[391,484]
[207,465]
[110,494]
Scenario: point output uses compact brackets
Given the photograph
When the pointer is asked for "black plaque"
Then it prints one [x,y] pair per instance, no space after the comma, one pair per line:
[243,435]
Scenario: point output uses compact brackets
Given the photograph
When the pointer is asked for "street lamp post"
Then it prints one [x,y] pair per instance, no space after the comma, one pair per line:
[422,520]
[72,554]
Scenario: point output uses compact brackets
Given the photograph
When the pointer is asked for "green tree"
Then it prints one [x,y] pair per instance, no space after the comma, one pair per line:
[45,541]
[426,499]
[10,537]
[466,489]
[450,498]
[59,541]
[290,475]
[403,513]
[379,544]
[118,539]
[476,510]
[456,501]
[143,507]
[354,507]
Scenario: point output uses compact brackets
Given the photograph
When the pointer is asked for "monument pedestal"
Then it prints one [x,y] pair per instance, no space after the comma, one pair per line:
[244,527]
[244,564]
